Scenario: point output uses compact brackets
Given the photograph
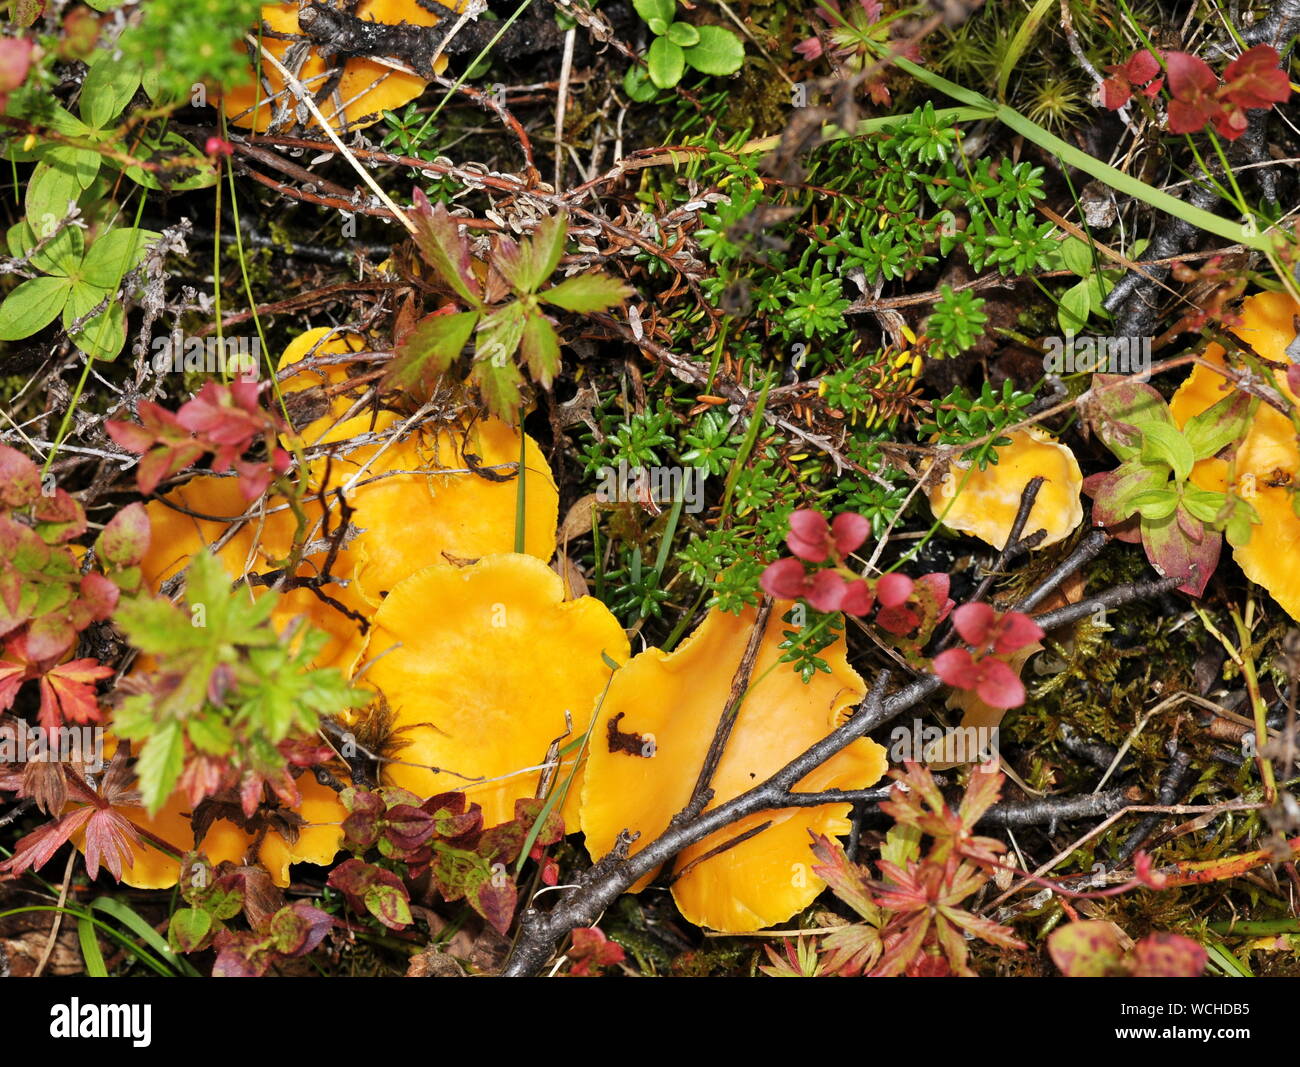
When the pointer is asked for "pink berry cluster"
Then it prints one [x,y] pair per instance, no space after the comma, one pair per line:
[831,585]
[985,672]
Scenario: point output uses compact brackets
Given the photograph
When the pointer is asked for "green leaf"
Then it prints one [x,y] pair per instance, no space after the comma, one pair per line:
[499,335]
[1120,411]
[389,905]
[538,257]
[108,88]
[84,163]
[1203,504]
[32,307]
[665,62]
[1242,519]
[188,928]
[209,734]
[638,85]
[159,767]
[1155,503]
[114,254]
[1221,424]
[587,293]
[541,350]
[658,27]
[103,335]
[1162,443]
[90,951]
[1077,256]
[438,238]
[683,34]
[650,10]
[156,626]
[51,188]
[1075,307]
[429,349]
[61,255]
[500,388]
[719,52]
[171,146]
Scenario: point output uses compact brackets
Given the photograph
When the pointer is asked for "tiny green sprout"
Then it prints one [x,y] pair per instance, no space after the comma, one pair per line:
[956,323]
[678,45]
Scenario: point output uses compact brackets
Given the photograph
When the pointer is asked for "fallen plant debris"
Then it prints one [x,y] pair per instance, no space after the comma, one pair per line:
[650,489]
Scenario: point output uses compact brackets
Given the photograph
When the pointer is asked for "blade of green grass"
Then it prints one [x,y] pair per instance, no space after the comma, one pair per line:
[135,922]
[90,952]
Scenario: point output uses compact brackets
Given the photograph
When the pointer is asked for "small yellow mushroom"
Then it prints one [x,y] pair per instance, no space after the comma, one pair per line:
[653,731]
[365,89]
[984,503]
[480,665]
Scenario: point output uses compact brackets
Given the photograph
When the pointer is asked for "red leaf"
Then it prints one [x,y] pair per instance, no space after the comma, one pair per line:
[68,692]
[591,949]
[998,685]
[1164,955]
[974,622]
[125,539]
[20,481]
[785,579]
[1254,79]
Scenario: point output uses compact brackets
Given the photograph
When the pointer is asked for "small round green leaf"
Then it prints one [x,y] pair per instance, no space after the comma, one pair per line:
[719,51]
[666,62]
[638,86]
[658,27]
[683,34]
[656,10]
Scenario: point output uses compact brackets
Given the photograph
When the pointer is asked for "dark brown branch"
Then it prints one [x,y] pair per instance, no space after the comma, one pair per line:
[702,794]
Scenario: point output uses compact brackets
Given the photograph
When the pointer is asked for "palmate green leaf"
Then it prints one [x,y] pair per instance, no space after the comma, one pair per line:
[587,293]
[540,348]
[209,734]
[1163,443]
[429,349]
[665,62]
[536,259]
[499,335]
[156,626]
[160,763]
[499,386]
[32,306]
[438,238]
[718,52]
